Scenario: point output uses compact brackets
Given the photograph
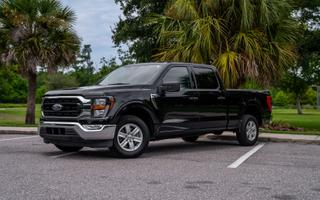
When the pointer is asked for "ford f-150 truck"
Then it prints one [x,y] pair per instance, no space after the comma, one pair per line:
[139,103]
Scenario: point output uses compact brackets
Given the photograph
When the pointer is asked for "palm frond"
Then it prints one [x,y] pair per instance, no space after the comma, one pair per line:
[227,64]
[244,38]
[38,33]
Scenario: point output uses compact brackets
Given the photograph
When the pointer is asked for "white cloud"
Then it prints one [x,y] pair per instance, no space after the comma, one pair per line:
[94,21]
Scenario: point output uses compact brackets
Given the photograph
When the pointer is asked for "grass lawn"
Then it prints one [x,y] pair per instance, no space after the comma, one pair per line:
[14,114]
[310,120]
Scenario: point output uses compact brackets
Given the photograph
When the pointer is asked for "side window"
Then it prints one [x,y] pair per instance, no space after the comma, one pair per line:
[178,75]
[206,78]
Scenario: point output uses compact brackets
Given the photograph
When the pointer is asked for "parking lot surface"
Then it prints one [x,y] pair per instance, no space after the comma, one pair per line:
[170,169]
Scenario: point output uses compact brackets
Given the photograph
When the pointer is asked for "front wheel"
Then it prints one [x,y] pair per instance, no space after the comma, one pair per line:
[68,149]
[131,137]
[249,131]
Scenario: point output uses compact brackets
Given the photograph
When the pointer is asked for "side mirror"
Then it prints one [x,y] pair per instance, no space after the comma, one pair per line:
[170,87]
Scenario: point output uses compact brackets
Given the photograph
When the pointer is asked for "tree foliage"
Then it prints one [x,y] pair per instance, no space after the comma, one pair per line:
[131,29]
[83,68]
[243,39]
[36,33]
[13,88]
[306,70]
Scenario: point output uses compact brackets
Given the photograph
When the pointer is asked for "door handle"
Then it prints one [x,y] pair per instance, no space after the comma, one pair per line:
[221,98]
[194,98]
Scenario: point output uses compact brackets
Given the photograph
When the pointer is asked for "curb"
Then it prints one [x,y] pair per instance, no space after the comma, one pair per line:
[9,131]
[262,138]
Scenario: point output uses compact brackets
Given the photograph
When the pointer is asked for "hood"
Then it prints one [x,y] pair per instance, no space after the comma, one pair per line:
[98,90]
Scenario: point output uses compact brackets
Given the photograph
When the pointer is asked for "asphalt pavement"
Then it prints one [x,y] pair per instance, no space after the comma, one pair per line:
[170,169]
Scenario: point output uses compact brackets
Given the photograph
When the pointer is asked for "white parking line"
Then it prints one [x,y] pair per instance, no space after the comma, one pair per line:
[243,158]
[18,138]
[63,155]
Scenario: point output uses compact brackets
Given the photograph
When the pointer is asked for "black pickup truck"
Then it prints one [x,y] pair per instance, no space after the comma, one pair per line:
[139,103]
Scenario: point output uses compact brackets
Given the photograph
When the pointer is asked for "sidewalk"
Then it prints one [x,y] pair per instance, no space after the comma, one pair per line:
[264,137]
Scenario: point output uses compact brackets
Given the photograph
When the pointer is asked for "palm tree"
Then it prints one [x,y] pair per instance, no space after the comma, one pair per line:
[244,39]
[36,33]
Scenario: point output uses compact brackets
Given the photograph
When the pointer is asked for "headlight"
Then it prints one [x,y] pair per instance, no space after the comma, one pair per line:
[101,106]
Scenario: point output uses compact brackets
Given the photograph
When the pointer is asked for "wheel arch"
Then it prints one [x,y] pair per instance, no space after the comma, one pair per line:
[254,108]
[141,110]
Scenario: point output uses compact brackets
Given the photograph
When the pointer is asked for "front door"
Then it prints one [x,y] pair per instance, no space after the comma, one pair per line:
[178,109]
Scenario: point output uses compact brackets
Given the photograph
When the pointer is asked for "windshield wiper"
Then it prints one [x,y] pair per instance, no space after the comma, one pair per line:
[119,84]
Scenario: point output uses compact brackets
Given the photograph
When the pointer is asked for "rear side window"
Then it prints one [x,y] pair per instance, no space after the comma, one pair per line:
[206,78]
[178,75]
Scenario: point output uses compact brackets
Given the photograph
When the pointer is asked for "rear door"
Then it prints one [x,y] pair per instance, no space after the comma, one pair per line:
[212,107]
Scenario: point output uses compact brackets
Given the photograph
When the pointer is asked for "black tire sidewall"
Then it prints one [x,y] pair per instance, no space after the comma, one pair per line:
[68,148]
[145,131]
[190,138]
[242,134]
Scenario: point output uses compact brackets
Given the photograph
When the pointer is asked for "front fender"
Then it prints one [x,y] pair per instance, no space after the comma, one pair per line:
[135,104]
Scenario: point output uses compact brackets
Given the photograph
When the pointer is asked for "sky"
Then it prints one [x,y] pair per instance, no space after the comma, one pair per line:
[95,18]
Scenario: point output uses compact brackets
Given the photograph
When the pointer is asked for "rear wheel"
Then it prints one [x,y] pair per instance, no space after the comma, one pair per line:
[249,131]
[131,137]
[68,149]
[190,138]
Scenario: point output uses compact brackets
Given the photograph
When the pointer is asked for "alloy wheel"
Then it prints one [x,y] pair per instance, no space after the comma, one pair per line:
[130,137]
[251,130]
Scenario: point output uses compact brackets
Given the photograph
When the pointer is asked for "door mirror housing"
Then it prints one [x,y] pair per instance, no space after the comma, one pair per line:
[170,87]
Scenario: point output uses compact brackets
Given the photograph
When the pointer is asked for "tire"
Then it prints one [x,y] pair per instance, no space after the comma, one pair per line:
[68,149]
[218,132]
[131,137]
[190,138]
[248,132]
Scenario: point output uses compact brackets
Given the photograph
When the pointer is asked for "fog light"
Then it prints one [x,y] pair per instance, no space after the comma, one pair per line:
[92,127]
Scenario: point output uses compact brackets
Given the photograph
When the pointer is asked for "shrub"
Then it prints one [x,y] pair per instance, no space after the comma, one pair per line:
[40,92]
[310,97]
[281,126]
[281,99]
[61,81]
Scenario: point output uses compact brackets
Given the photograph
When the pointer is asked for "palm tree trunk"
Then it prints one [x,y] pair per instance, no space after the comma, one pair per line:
[52,69]
[299,109]
[32,83]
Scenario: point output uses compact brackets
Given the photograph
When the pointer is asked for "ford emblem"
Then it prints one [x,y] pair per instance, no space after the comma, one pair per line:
[57,107]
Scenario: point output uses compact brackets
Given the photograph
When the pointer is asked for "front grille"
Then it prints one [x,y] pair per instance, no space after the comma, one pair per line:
[69,107]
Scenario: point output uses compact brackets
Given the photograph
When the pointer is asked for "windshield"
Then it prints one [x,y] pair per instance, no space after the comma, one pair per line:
[132,75]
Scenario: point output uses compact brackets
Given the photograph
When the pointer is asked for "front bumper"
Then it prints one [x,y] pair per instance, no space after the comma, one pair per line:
[70,133]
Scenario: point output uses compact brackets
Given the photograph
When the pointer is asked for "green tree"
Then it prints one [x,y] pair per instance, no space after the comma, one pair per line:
[252,39]
[13,88]
[55,81]
[107,67]
[61,81]
[36,33]
[306,70]
[301,76]
[83,67]
[281,99]
[131,29]
[310,97]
